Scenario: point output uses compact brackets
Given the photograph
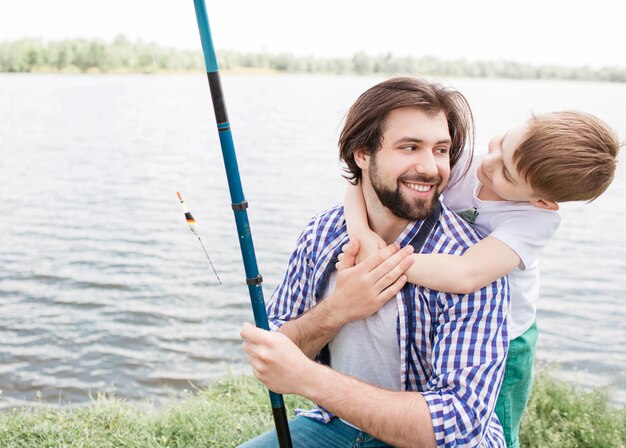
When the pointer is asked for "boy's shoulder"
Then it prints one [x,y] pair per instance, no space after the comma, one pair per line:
[523,217]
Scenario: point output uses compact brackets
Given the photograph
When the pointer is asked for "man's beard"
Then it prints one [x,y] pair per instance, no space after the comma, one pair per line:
[415,210]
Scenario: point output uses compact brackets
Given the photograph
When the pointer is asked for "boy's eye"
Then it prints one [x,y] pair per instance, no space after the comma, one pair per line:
[442,150]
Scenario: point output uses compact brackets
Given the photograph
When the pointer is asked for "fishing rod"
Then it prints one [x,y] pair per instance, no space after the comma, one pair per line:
[239,206]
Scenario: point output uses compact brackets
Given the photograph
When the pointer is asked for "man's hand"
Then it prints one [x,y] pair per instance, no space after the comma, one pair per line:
[364,288]
[276,361]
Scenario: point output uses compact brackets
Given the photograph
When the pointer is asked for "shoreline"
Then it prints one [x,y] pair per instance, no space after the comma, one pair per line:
[235,409]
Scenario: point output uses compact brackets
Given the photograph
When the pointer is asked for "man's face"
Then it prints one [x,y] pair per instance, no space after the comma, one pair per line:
[413,164]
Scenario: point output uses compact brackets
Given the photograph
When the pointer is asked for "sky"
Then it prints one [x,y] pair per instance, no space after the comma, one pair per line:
[570,33]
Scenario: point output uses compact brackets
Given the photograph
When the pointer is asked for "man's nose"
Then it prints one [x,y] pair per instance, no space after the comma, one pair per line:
[426,165]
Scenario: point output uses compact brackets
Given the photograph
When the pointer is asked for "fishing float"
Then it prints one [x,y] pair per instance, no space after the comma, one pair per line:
[194,229]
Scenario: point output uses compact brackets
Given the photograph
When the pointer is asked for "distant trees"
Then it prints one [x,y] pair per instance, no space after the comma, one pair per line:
[122,55]
[82,56]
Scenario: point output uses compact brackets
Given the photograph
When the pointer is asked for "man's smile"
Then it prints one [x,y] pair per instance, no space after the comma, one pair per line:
[421,188]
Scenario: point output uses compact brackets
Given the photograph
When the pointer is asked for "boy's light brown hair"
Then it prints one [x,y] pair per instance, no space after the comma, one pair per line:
[567,156]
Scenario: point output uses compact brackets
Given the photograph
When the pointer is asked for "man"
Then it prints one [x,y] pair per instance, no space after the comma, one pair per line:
[421,370]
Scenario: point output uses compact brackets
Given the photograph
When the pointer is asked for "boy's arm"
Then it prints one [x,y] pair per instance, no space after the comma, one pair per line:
[517,239]
[355,212]
[481,264]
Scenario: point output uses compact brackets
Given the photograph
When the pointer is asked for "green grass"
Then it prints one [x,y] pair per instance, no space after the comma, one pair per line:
[236,409]
[562,416]
[224,415]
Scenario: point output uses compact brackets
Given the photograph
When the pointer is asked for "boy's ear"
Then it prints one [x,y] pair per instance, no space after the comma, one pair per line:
[545,204]
[361,158]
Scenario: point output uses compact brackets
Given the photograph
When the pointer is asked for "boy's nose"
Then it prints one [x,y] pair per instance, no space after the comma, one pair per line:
[489,162]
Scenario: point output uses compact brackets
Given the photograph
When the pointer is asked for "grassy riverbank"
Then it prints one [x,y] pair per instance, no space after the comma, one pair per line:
[236,409]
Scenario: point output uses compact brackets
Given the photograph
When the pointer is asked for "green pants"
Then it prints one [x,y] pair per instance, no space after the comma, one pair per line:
[517,384]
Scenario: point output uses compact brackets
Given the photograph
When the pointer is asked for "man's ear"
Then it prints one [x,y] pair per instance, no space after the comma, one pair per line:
[361,158]
[545,204]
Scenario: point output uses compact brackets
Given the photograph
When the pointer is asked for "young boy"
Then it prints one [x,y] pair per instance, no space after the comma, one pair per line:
[513,191]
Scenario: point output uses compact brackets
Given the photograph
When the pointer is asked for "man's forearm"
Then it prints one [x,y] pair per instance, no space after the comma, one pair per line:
[313,330]
[401,419]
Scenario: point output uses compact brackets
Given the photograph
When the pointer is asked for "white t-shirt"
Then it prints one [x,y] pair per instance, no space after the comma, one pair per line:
[521,226]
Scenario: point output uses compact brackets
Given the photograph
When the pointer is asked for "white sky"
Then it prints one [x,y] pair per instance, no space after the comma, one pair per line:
[564,32]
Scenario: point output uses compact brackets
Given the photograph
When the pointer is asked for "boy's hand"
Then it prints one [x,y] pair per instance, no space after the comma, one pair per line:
[370,244]
[361,249]
[347,257]
[364,288]
[356,251]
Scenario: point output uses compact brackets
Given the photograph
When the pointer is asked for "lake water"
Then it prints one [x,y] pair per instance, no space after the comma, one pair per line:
[104,289]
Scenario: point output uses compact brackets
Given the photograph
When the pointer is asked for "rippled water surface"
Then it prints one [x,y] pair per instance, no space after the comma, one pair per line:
[104,289]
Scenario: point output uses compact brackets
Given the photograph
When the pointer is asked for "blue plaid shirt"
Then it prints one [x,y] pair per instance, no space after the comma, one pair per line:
[452,347]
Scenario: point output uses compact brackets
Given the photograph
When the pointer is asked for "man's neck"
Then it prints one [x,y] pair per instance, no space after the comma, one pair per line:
[381,220]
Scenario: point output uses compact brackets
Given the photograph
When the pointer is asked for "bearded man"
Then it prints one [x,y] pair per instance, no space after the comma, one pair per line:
[408,366]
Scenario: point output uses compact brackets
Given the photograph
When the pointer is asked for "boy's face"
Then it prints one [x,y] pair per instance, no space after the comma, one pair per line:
[498,173]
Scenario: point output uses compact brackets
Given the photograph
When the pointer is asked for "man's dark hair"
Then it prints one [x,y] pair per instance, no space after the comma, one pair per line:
[364,124]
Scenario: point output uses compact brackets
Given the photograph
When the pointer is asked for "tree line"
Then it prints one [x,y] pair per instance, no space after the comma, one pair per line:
[123,55]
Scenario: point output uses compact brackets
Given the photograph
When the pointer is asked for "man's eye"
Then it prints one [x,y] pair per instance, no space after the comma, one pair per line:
[442,150]
[408,148]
